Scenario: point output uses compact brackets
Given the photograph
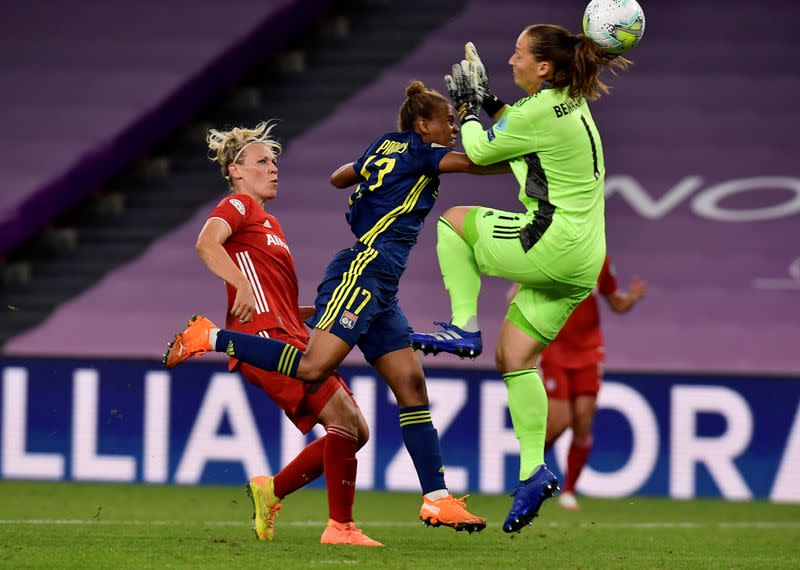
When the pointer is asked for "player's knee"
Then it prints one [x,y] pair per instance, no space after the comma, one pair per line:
[556,426]
[409,390]
[583,417]
[582,439]
[582,430]
[559,426]
[559,418]
[500,359]
[363,431]
[312,370]
[341,411]
[505,362]
[351,421]
[451,214]
[347,416]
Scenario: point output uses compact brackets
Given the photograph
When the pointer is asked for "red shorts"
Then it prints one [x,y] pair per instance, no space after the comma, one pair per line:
[562,383]
[302,402]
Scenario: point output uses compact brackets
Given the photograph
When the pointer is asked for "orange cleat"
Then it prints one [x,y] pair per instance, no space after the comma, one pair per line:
[191,342]
[346,533]
[265,506]
[451,512]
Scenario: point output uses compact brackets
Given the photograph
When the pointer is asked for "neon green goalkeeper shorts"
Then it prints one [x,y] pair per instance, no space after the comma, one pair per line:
[545,298]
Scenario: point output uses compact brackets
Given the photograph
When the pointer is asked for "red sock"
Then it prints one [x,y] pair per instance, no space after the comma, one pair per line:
[303,469]
[340,472]
[576,459]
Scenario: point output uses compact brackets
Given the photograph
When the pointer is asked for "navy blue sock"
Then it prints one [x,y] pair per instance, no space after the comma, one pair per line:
[265,353]
[422,443]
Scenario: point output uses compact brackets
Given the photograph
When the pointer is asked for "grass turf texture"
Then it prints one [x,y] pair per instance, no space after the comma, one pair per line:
[86,525]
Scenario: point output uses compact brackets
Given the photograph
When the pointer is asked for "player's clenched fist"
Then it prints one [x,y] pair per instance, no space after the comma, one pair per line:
[244,305]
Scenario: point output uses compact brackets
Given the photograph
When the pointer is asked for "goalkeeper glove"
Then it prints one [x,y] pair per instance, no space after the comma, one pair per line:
[465,91]
[491,103]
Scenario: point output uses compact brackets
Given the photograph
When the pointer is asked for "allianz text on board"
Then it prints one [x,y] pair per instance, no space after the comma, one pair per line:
[128,421]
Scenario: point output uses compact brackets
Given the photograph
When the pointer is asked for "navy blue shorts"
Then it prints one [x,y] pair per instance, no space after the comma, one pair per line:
[358,300]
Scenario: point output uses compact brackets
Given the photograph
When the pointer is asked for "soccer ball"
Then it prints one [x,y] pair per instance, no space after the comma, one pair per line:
[614,25]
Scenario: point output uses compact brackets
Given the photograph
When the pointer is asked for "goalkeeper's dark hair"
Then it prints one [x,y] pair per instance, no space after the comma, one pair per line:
[420,102]
[577,61]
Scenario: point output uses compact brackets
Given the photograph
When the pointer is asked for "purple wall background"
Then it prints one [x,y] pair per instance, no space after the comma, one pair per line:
[695,112]
[88,87]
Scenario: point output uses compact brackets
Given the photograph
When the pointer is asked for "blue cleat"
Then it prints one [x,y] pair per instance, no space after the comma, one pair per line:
[451,339]
[528,498]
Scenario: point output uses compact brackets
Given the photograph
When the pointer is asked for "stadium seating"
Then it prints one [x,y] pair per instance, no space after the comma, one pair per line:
[104,80]
[685,132]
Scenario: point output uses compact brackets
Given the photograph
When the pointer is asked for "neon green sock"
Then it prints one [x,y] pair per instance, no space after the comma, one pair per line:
[460,274]
[527,402]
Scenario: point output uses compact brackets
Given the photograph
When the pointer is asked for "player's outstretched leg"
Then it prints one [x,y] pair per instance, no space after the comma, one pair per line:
[265,506]
[450,339]
[346,533]
[451,512]
[528,498]
[193,341]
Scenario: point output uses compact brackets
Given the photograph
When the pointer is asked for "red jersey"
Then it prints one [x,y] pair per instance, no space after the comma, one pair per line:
[580,342]
[258,247]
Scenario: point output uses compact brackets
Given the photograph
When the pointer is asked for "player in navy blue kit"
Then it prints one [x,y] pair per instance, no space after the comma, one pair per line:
[397,180]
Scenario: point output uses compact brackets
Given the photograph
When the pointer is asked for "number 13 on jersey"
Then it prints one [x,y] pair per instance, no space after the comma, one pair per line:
[385,165]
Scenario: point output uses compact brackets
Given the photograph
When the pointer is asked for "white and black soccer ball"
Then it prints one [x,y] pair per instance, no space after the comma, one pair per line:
[616,26]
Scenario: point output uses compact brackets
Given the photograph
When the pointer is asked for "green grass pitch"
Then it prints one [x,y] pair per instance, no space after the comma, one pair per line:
[67,525]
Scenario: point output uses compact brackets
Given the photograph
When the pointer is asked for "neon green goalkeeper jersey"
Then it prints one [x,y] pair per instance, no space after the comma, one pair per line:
[554,150]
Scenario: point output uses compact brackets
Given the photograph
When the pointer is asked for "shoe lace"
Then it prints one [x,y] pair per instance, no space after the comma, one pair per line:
[355,530]
[274,511]
[442,324]
[358,535]
[460,501]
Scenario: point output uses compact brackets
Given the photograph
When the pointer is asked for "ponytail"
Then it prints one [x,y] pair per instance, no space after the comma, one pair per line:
[577,61]
[589,60]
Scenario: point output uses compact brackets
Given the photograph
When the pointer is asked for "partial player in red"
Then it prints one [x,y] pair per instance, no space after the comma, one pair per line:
[571,369]
[245,246]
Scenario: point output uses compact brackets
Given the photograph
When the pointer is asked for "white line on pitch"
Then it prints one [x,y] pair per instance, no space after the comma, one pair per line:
[399,524]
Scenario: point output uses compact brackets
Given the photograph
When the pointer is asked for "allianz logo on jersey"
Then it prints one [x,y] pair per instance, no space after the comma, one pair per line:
[272,239]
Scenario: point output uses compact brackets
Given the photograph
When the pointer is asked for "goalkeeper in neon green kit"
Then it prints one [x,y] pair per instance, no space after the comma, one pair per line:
[554,250]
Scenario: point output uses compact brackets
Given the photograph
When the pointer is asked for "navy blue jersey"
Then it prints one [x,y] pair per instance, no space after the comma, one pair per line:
[401,183]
